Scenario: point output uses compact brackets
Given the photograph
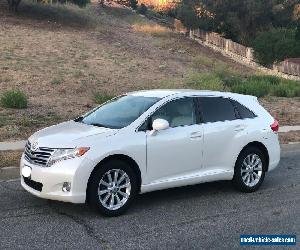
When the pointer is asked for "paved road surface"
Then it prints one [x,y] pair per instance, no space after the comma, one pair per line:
[210,216]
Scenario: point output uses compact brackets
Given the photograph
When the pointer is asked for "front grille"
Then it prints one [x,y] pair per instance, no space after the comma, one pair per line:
[33,184]
[38,157]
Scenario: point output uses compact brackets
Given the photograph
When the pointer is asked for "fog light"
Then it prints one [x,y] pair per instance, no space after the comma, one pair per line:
[66,187]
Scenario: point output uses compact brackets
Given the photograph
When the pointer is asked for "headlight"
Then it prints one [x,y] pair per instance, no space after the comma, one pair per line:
[65,154]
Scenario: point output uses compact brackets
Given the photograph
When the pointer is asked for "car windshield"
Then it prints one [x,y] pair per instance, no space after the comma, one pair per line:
[119,112]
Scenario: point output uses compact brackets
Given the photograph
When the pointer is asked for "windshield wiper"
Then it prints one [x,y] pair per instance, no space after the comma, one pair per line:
[78,119]
[98,125]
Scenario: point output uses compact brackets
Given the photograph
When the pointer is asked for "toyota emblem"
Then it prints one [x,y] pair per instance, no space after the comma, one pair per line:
[34,146]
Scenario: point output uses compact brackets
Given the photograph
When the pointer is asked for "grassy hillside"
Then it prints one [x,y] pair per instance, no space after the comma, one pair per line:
[66,59]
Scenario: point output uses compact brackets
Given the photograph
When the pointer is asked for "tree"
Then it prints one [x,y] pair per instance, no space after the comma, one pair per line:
[142,9]
[186,12]
[81,3]
[297,36]
[239,20]
[133,4]
[13,5]
[276,45]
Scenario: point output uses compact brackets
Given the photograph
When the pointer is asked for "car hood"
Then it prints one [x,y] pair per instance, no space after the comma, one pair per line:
[68,134]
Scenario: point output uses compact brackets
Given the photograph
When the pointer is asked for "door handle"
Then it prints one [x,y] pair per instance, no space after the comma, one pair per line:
[239,128]
[196,135]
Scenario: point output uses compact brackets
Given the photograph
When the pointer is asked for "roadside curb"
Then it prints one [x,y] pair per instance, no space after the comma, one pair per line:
[285,129]
[17,145]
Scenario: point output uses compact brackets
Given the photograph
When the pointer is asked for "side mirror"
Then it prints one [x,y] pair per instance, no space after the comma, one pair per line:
[160,124]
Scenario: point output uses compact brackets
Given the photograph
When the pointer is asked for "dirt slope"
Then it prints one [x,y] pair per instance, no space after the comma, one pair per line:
[60,66]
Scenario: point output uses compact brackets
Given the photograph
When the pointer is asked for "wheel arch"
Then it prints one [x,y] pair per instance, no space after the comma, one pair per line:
[261,146]
[122,157]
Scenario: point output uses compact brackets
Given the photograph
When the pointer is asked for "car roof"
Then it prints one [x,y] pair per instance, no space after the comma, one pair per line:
[163,93]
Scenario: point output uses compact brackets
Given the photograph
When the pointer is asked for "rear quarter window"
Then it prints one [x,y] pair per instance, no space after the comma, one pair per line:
[243,111]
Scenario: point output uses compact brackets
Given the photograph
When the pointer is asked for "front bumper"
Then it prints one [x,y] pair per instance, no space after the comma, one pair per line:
[75,171]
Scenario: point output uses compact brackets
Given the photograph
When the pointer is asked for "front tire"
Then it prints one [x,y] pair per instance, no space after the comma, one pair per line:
[250,169]
[112,188]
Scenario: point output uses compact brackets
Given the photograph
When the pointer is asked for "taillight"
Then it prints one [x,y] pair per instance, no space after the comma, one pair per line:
[275,126]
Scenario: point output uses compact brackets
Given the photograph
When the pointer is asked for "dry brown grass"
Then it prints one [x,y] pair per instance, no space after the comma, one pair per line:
[10,158]
[289,137]
[152,29]
[285,110]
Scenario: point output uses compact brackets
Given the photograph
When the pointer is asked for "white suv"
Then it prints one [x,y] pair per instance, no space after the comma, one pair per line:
[152,140]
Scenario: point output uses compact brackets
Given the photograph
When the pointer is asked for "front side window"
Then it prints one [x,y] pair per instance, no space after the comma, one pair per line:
[180,112]
[119,112]
[215,109]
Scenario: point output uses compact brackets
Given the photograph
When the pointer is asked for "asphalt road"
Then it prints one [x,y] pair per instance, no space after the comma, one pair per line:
[206,216]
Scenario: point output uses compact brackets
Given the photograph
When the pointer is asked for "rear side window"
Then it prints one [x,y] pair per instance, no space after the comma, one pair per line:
[243,111]
[215,109]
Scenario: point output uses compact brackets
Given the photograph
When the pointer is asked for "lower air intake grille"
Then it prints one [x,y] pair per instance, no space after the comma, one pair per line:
[33,184]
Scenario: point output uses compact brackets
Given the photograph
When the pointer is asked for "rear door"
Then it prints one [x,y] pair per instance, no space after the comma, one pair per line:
[222,132]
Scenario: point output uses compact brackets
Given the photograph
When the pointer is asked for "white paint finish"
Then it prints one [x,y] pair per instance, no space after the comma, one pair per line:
[76,171]
[189,179]
[160,124]
[216,154]
[19,145]
[168,158]
[174,151]
[65,135]
[155,93]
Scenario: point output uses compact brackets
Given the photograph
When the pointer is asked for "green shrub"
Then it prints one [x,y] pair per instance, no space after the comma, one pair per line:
[280,90]
[262,85]
[66,14]
[273,80]
[251,88]
[201,60]
[13,99]
[102,98]
[276,45]
[206,81]
[286,88]
[231,80]
[256,85]
[57,80]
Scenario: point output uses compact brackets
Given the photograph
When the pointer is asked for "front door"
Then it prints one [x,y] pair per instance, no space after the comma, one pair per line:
[176,151]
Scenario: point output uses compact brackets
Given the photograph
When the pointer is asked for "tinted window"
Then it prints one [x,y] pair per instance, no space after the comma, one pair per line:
[179,112]
[215,109]
[119,112]
[243,111]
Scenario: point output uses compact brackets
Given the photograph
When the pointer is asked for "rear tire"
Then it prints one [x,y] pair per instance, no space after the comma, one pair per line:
[250,169]
[112,188]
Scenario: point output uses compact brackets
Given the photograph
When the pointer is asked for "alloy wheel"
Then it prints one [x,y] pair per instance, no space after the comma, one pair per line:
[114,189]
[251,170]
